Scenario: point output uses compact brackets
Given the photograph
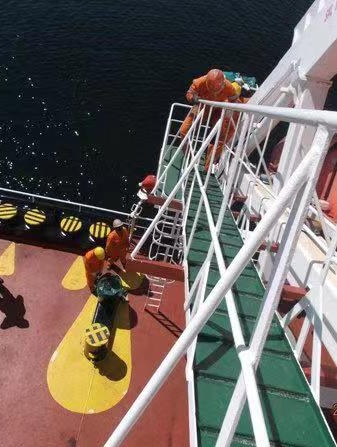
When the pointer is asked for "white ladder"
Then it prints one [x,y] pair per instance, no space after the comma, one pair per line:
[155,292]
[167,243]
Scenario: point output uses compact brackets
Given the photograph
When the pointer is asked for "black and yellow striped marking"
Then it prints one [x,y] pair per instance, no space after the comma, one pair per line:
[70,224]
[35,217]
[99,230]
[97,335]
[8,211]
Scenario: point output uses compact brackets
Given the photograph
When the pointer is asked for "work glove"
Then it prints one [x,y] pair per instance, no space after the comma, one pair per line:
[195,99]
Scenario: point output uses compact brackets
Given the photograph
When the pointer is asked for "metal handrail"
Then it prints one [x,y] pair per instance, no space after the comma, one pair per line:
[167,132]
[68,202]
[315,118]
[305,173]
[317,240]
[249,358]
[161,211]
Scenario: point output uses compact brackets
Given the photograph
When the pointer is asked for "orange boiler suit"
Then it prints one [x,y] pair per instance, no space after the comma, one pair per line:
[228,93]
[93,267]
[117,246]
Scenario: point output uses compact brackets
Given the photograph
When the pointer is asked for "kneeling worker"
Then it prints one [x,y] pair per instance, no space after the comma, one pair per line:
[117,244]
[94,264]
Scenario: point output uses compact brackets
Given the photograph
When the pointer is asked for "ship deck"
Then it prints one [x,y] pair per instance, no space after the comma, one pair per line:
[51,395]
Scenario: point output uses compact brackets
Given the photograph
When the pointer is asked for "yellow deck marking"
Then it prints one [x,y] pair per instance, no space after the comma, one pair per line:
[75,278]
[73,380]
[8,211]
[131,280]
[99,230]
[7,261]
[35,217]
[70,224]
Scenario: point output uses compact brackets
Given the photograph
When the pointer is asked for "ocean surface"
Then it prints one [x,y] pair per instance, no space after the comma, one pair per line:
[85,87]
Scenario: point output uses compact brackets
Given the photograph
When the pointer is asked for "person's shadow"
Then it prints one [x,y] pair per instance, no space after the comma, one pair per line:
[13,308]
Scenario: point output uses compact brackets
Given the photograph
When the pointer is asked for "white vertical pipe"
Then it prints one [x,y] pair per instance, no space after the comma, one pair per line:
[317,345]
[302,337]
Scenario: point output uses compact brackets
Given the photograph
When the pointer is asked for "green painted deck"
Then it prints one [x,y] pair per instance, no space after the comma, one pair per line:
[291,413]
[174,171]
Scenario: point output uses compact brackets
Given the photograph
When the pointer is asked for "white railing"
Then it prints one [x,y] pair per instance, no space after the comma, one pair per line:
[249,184]
[291,207]
[195,160]
[171,135]
[167,242]
[32,198]
[312,305]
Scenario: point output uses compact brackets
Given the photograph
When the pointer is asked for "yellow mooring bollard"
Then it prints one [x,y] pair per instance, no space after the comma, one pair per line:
[96,341]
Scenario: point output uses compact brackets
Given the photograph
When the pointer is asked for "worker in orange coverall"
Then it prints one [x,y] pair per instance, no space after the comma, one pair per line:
[117,244]
[93,263]
[212,87]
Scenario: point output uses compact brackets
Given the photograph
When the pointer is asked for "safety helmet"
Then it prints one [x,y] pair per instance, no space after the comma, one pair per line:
[215,80]
[237,87]
[148,183]
[117,223]
[99,253]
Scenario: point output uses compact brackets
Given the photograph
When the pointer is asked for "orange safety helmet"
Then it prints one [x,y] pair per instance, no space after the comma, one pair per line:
[215,80]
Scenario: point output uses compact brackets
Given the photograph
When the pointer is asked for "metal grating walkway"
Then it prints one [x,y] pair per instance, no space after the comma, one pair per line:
[291,414]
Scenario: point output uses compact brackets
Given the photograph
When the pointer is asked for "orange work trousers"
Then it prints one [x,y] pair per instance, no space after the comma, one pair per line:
[121,255]
[226,133]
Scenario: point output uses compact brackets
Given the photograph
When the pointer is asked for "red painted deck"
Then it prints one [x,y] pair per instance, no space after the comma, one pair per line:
[28,414]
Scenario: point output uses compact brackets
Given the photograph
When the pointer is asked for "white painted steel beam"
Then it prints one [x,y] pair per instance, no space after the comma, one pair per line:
[324,118]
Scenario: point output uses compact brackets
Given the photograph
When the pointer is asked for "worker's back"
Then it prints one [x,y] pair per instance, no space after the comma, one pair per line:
[117,242]
[92,263]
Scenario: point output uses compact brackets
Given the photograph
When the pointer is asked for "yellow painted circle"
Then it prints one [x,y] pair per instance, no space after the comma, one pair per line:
[99,230]
[131,280]
[35,217]
[8,211]
[70,224]
[97,335]
[85,387]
